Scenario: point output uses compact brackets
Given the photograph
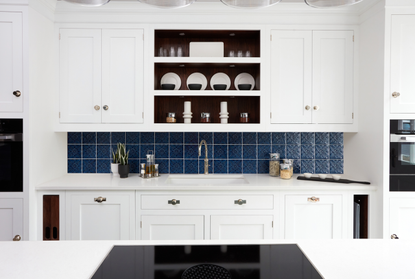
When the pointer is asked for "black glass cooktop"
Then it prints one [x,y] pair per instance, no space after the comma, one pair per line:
[285,261]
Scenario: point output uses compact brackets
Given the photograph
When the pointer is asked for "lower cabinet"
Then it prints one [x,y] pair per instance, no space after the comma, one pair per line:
[401,218]
[11,219]
[177,227]
[241,227]
[314,217]
[100,215]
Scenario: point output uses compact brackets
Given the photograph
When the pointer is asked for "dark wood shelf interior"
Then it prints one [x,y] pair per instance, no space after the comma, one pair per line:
[244,40]
[51,217]
[362,200]
[211,104]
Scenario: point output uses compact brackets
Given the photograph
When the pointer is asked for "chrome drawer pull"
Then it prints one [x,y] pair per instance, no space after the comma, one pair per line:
[173,202]
[240,202]
[100,199]
[394,236]
[313,199]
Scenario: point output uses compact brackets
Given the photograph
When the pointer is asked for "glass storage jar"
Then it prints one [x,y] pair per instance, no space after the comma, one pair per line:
[291,163]
[171,117]
[274,164]
[285,171]
[205,117]
[243,117]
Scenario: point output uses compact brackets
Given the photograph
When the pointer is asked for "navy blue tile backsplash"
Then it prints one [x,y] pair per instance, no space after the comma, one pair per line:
[234,152]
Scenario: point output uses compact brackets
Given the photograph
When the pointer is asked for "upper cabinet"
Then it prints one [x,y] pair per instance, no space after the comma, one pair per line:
[402,88]
[312,77]
[11,65]
[101,75]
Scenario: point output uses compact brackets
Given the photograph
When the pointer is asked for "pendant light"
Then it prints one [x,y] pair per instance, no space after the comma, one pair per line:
[90,3]
[168,3]
[253,4]
[330,3]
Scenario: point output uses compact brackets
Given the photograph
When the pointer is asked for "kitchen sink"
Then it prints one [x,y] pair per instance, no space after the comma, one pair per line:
[206,179]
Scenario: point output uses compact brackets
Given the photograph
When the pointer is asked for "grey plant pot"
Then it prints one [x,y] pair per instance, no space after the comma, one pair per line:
[123,170]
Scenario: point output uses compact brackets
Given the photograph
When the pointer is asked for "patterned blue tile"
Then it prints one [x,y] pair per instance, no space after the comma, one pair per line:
[322,152]
[235,138]
[191,166]
[89,151]
[235,151]
[74,137]
[263,166]
[336,138]
[207,136]
[134,151]
[322,166]
[74,166]
[322,138]
[264,138]
[144,148]
[293,138]
[89,166]
[220,151]
[249,151]
[176,166]
[336,151]
[307,166]
[249,166]
[220,138]
[74,151]
[162,150]
[162,137]
[191,138]
[278,138]
[297,166]
[134,165]
[163,165]
[103,138]
[202,166]
[103,166]
[293,151]
[235,166]
[147,137]
[176,150]
[104,151]
[279,149]
[307,138]
[220,166]
[133,137]
[191,151]
[249,138]
[263,151]
[307,151]
[336,166]
[117,137]
[89,138]
[176,137]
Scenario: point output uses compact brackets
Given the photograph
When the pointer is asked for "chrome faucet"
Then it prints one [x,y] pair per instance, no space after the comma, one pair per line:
[206,158]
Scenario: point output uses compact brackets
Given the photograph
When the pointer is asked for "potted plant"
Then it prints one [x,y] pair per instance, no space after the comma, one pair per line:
[123,167]
[115,161]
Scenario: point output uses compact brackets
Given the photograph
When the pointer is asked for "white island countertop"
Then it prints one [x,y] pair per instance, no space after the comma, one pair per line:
[334,259]
[249,182]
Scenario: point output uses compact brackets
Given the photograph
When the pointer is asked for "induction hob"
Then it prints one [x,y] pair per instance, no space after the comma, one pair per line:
[285,261]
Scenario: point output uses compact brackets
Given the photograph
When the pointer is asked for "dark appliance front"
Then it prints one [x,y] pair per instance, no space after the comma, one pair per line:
[238,261]
[11,155]
[402,155]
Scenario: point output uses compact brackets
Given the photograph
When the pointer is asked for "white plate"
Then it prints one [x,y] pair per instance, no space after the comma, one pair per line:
[197,78]
[244,78]
[173,79]
[220,78]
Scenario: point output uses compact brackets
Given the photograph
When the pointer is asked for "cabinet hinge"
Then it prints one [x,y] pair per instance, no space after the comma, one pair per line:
[270,115]
[352,115]
[141,224]
[142,114]
[270,37]
[59,114]
[272,224]
[353,38]
[59,36]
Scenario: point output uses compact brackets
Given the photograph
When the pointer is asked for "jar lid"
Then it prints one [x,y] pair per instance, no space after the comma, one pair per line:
[171,114]
[244,114]
[288,161]
[205,114]
[285,166]
[274,156]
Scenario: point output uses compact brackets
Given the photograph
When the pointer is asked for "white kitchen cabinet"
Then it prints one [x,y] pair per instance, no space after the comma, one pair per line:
[241,227]
[101,75]
[172,227]
[401,217]
[312,73]
[11,65]
[402,71]
[11,219]
[314,217]
[100,215]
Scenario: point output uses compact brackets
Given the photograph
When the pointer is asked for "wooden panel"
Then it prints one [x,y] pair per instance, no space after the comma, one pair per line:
[51,217]
[236,105]
[364,209]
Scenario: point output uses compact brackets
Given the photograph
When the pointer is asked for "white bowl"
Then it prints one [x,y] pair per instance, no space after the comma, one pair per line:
[307,175]
[336,176]
[322,176]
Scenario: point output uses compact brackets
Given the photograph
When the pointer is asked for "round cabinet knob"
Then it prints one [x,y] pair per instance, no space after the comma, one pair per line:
[240,202]
[307,107]
[105,107]
[173,201]
[17,93]
[100,199]
[394,236]
[97,107]
[316,107]
[17,238]
[396,94]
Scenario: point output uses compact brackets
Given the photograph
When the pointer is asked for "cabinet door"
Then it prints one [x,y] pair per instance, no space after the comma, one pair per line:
[122,76]
[332,77]
[241,227]
[291,76]
[308,219]
[112,219]
[402,64]
[177,227]
[11,219]
[11,62]
[80,76]
[401,217]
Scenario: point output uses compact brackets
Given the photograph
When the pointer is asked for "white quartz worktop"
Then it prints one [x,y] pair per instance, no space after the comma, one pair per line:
[334,259]
[252,182]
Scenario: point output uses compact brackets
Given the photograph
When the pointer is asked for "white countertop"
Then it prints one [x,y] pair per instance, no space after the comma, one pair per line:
[334,259]
[255,182]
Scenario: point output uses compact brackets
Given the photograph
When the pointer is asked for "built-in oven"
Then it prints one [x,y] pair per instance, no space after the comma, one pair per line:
[11,155]
[402,155]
